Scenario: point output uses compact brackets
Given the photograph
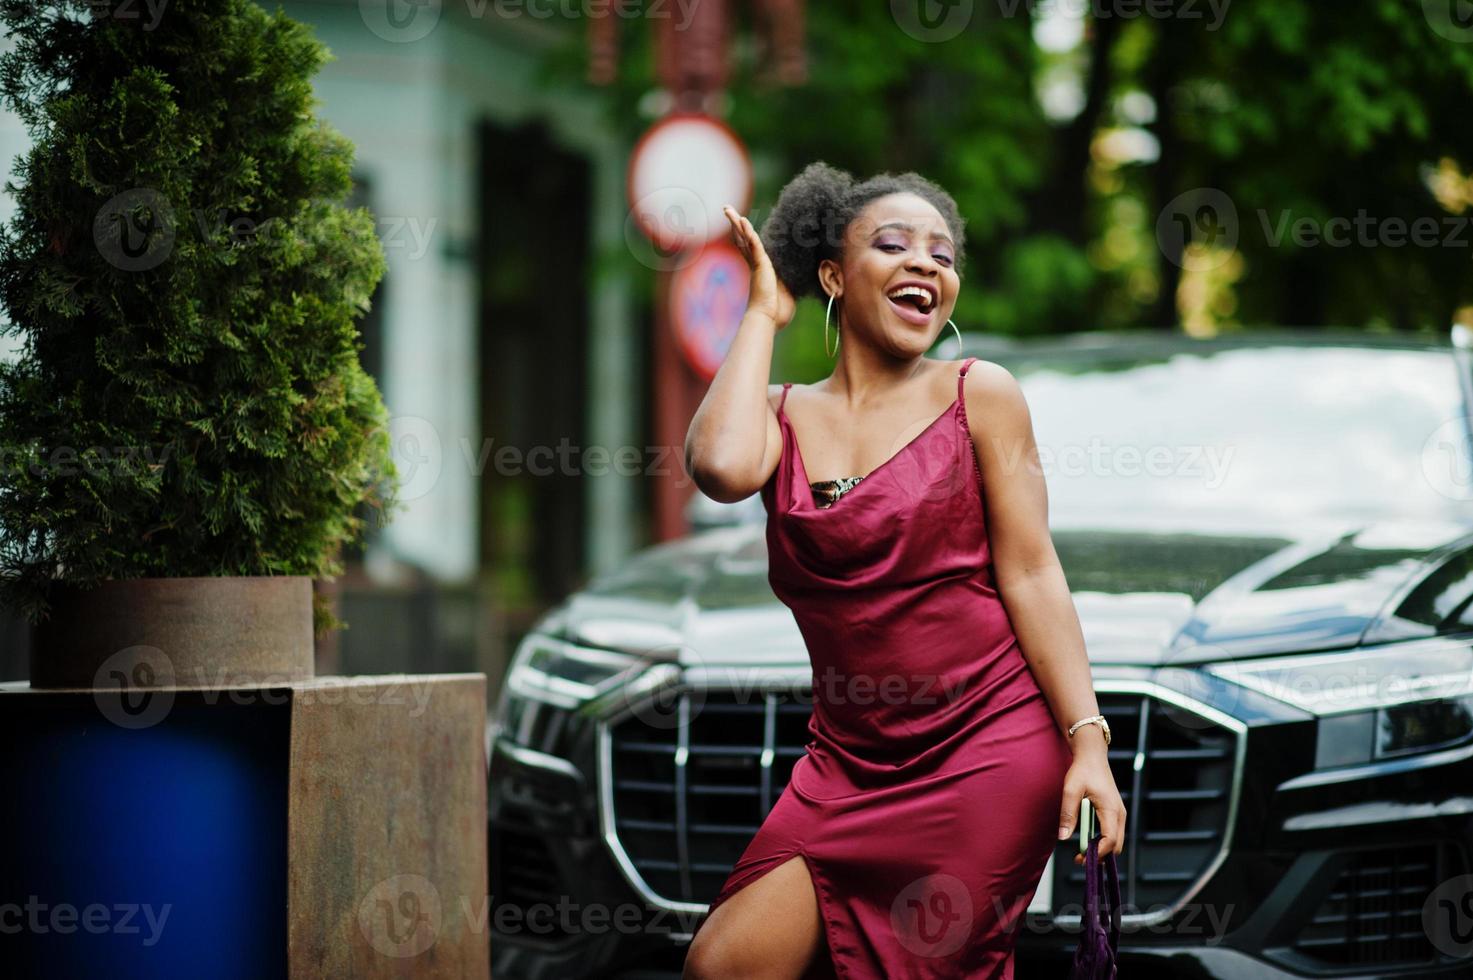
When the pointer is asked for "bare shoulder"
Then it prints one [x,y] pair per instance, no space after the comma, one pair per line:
[774,395]
[987,375]
[992,392]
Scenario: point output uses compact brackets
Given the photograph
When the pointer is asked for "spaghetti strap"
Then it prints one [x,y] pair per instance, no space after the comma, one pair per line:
[961,378]
[781,401]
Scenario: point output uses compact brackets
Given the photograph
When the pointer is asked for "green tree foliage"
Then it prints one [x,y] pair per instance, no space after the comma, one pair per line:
[1292,110]
[1330,116]
[184,280]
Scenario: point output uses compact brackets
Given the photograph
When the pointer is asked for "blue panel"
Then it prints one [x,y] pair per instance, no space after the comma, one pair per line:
[143,852]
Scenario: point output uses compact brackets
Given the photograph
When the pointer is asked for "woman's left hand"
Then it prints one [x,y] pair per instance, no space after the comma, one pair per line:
[1090,776]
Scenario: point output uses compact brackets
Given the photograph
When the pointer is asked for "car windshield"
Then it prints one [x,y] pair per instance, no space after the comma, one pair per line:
[1253,434]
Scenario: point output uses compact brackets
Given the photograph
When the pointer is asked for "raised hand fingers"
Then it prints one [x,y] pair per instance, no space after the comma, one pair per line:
[744,234]
[739,226]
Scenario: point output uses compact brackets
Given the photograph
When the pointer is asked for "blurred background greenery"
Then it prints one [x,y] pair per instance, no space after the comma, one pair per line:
[1177,166]
[1066,130]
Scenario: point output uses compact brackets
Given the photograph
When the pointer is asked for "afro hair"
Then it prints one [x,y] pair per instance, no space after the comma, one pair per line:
[814,209]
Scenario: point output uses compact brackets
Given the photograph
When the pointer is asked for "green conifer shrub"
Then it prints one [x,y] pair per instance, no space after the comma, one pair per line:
[184,280]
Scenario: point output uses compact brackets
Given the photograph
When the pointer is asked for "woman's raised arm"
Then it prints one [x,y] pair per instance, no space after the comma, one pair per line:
[734,442]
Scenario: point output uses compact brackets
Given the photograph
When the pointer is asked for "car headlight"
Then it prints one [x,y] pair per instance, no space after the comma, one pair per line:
[1375,703]
[550,679]
[560,673]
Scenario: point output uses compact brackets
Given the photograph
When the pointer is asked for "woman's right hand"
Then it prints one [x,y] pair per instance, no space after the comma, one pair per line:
[767,295]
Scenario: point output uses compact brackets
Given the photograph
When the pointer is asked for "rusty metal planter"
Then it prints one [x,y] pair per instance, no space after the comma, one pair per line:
[340,822]
[177,632]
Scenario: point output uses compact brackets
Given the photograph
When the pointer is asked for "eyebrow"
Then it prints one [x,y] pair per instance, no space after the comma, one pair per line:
[909,227]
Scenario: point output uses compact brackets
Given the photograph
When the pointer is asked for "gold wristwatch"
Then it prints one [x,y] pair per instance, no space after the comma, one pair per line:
[1093,720]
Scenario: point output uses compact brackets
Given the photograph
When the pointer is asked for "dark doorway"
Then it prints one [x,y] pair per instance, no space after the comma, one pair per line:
[534,269]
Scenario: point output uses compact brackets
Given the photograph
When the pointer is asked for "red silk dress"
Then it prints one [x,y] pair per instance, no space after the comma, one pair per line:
[927,803]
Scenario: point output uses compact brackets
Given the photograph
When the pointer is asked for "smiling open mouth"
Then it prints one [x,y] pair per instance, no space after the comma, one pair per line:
[914,303]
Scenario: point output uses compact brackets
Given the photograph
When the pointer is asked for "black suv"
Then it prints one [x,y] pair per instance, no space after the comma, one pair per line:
[1269,540]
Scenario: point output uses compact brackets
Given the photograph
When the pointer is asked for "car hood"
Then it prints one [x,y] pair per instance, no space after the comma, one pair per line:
[1144,596]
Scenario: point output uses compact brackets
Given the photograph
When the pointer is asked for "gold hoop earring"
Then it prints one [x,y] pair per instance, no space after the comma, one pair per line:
[837,338]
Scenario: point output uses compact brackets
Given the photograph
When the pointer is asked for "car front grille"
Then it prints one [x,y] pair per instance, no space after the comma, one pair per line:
[1373,913]
[686,799]
[689,797]
[525,879]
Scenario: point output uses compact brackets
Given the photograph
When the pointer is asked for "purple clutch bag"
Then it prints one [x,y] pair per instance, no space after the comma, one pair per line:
[1099,935]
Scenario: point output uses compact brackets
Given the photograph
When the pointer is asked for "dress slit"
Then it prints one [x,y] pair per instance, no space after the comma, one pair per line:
[824,965]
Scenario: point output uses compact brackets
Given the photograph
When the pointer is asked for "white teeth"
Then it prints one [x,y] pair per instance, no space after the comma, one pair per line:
[913,291]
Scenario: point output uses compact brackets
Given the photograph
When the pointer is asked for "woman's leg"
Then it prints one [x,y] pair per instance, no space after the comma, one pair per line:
[769,929]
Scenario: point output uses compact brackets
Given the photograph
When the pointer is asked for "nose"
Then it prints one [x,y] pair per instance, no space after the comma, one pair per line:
[921,261]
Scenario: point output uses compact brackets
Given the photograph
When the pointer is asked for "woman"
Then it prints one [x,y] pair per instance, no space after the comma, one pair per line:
[955,727]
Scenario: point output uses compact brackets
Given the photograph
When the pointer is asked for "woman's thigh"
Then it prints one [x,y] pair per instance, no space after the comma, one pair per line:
[771,928]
